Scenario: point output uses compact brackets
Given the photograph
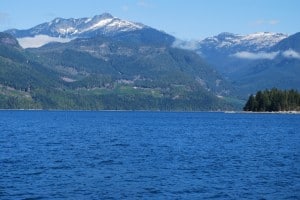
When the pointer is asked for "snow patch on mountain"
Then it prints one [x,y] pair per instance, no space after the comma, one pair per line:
[291,54]
[256,41]
[87,20]
[126,25]
[66,30]
[263,39]
[100,24]
[40,40]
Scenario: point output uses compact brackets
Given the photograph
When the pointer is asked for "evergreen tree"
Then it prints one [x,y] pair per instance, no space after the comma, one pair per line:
[251,104]
[273,100]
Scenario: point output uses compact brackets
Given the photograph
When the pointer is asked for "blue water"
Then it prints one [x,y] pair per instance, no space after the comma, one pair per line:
[148,155]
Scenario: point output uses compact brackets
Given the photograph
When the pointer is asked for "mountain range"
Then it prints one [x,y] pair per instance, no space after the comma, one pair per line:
[65,30]
[132,67]
[252,62]
[104,24]
[105,62]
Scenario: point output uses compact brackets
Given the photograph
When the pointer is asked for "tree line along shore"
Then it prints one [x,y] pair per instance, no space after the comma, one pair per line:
[274,100]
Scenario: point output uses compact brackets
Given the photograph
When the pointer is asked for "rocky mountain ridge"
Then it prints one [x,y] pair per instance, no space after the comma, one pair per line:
[82,27]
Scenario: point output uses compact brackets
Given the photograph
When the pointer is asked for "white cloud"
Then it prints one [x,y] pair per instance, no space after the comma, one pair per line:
[4,19]
[255,56]
[189,45]
[291,54]
[144,4]
[40,40]
[3,16]
[259,22]
[266,55]
[125,8]
[271,22]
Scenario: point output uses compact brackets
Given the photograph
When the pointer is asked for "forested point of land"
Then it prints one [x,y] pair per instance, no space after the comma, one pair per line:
[273,100]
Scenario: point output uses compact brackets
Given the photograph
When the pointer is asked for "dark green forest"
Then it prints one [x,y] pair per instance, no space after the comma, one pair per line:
[122,76]
[274,100]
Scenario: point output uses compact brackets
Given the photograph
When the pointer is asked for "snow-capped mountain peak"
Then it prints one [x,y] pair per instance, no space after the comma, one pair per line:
[256,41]
[102,16]
[60,29]
[82,27]
[263,39]
[110,24]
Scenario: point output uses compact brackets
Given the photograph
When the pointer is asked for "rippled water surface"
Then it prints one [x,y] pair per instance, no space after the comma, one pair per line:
[148,155]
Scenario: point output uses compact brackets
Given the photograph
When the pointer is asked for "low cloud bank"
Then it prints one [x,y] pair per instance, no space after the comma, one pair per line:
[189,45]
[256,56]
[267,55]
[40,40]
[291,54]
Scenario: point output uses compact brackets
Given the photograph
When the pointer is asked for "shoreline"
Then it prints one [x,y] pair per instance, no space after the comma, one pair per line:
[263,112]
[220,111]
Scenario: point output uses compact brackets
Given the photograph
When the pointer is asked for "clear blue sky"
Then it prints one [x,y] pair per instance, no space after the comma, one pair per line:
[185,19]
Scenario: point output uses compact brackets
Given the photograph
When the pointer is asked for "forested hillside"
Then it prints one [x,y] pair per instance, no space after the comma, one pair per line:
[104,62]
[119,75]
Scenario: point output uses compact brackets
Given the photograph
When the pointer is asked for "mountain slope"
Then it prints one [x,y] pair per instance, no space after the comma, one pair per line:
[229,42]
[20,74]
[64,30]
[254,62]
[151,68]
[282,71]
[19,68]
[132,70]
[129,56]
[290,43]
[230,52]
